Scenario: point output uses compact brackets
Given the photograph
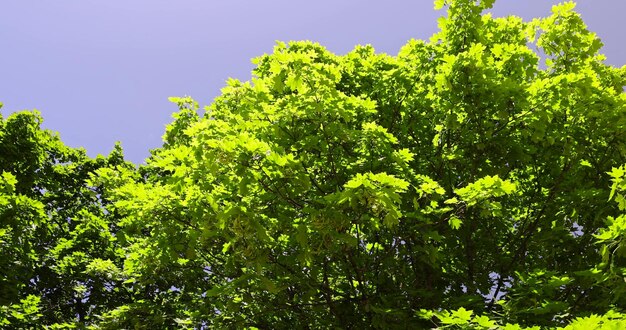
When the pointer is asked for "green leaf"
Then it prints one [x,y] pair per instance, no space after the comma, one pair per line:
[454,222]
[462,315]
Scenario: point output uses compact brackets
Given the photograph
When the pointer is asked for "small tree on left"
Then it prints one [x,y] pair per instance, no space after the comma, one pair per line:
[57,240]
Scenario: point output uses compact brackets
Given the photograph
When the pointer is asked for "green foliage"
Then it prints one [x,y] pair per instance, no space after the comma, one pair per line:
[461,184]
[24,313]
[54,228]
[464,319]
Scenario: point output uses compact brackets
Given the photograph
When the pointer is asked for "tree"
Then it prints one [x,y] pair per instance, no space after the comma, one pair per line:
[463,183]
[57,241]
[361,189]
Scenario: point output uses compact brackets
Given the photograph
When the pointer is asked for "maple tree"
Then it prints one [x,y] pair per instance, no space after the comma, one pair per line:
[467,182]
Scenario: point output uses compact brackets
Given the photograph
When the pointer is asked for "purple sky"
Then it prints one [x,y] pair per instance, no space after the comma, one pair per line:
[101,71]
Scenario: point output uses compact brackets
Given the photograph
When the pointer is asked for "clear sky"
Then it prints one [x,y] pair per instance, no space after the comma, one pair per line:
[101,71]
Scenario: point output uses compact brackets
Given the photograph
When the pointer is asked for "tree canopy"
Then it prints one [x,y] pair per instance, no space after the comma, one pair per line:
[476,180]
